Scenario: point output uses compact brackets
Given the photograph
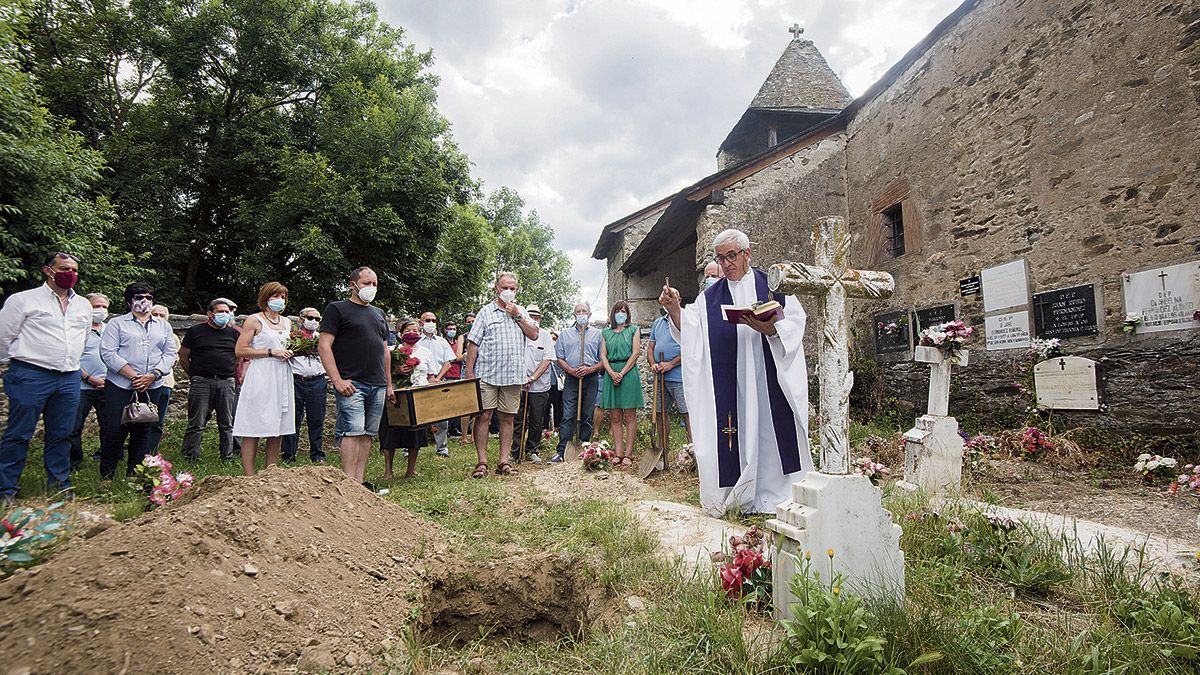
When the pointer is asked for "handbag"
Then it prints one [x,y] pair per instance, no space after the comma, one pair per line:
[138,412]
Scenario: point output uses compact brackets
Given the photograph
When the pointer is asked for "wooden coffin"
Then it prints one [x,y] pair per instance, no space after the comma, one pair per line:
[418,406]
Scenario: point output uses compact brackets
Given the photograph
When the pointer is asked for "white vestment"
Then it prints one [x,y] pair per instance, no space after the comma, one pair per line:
[762,484]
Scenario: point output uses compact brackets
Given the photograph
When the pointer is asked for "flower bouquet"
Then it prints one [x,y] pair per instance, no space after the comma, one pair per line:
[1188,482]
[1040,350]
[874,471]
[746,574]
[299,345]
[27,536]
[1130,323]
[891,327]
[154,476]
[1034,443]
[402,358]
[1154,466]
[597,457]
[950,337]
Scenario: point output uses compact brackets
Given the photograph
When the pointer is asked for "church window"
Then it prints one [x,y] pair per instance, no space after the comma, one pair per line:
[893,225]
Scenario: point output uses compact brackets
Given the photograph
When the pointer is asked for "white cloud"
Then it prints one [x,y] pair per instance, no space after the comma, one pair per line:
[592,109]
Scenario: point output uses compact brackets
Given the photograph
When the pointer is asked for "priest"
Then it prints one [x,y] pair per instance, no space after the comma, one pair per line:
[750,385]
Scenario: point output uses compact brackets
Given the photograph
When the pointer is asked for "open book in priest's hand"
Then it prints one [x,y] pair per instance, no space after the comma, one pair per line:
[763,311]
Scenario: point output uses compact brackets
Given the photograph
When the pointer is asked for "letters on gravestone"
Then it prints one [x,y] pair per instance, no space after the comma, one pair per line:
[968,287]
[934,316]
[1164,299]
[1065,313]
[1067,383]
[892,332]
[1007,331]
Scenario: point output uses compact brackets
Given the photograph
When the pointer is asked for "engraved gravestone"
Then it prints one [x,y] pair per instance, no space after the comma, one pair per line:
[1065,313]
[1067,383]
[934,316]
[893,333]
[1007,331]
[1165,299]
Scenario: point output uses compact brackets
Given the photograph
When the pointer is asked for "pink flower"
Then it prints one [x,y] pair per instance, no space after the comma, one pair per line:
[185,479]
[731,580]
[748,560]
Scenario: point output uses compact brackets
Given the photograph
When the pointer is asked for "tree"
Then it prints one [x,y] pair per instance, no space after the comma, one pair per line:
[46,177]
[526,247]
[252,140]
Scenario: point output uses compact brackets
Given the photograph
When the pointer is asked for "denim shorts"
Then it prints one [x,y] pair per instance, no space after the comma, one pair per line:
[359,413]
[674,392]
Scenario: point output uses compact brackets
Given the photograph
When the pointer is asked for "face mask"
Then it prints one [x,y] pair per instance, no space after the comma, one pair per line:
[65,279]
[451,333]
[311,324]
[367,293]
[410,338]
[99,315]
[621,317]
[142,306]
[581,319]
[222,319]
[276,304]
[508,295]
[429,328]
[709,281]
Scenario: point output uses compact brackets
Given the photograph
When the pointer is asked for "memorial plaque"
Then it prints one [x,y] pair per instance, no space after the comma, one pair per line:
[1165,298]
[1067,383]
[933,316]
[1007,331]
[968,287]
[1005,286]
[1065,313]
[893,332]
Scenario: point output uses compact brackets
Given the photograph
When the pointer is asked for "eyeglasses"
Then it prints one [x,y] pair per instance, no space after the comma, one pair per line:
[722,259]
[313,318]
[143,296]
[430,320]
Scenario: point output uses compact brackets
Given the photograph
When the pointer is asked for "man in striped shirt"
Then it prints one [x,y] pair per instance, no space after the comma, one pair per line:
[496,355]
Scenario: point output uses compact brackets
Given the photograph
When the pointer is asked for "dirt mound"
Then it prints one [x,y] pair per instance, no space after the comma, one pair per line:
[299,567]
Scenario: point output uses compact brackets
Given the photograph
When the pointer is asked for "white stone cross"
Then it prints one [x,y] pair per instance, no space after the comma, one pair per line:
[796,31]
[939,376]
[834,282]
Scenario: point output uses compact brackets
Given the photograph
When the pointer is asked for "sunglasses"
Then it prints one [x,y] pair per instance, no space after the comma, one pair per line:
[143,296]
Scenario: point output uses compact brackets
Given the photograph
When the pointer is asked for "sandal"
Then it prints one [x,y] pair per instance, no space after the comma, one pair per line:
[626,462]
[505,469]
[480,470]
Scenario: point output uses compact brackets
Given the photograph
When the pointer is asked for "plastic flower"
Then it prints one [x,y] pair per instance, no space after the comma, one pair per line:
[731,580]
[748,560]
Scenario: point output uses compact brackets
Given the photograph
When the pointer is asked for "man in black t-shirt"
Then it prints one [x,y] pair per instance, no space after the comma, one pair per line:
[206,355]
[353,349]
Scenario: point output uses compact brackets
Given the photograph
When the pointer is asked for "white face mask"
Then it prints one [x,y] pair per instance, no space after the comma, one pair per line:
[429,328]
[508,295]
[311,324]
[367,293]
[99,315]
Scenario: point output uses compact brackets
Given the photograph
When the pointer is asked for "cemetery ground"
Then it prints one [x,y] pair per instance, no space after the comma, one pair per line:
[553,571]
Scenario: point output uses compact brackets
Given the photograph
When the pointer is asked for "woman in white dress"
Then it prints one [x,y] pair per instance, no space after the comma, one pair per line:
[264,408]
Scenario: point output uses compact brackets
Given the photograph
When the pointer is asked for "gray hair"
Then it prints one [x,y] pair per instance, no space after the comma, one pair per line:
[512,275]
[163,308]
[735,237]
[586,304]
[93,296]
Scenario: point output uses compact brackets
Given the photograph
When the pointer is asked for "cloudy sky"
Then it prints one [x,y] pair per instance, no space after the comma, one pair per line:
[592,109]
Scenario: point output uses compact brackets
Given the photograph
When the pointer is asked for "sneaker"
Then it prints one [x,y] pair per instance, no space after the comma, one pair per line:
[557,459]
[534,458]
[443,452]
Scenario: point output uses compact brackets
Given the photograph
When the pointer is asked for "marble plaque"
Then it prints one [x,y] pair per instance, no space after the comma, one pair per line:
[1067,383]
[1164,298]
[1007,331]
[1005,286]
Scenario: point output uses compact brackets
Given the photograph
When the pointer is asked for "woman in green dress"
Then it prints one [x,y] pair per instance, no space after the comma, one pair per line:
[619,349]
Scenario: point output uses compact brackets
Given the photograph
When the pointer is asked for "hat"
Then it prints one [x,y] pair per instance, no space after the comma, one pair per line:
[534,309]
[223,301]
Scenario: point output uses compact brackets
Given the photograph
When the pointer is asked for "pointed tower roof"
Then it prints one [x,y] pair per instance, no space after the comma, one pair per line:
[802,78]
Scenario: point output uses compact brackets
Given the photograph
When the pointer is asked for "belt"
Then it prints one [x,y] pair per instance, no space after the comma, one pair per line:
[308,378]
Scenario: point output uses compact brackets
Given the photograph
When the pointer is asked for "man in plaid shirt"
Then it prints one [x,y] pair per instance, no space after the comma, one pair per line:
[496,355]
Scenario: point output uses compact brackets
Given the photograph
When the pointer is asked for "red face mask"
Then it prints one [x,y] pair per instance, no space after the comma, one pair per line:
[411,338]
[65,279]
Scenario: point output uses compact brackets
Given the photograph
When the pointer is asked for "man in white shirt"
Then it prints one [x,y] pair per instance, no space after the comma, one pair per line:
[42,334]
[443,359]
[531,418]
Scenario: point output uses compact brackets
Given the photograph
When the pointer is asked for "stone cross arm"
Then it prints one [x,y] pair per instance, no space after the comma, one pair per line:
[792,278]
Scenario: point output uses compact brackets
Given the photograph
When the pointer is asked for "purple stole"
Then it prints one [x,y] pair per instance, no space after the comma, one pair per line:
[723,348]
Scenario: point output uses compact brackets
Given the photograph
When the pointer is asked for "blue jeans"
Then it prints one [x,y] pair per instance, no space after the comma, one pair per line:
[35,392]
[359,413]
[566,432]
[310,399]
[112,439]
[88,399]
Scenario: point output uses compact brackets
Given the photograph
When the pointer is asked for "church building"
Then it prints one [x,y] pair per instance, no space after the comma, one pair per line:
[1030,167]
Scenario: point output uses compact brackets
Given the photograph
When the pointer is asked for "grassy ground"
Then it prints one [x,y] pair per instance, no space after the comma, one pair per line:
[985,599]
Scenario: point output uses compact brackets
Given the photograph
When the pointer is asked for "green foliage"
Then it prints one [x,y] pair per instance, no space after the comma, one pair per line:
[526,247]
[46,176]
[28,536]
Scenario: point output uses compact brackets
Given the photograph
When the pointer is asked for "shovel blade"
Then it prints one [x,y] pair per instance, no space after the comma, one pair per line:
[648,462]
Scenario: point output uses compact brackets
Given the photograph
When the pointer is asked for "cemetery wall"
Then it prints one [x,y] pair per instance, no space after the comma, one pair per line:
[1065,135]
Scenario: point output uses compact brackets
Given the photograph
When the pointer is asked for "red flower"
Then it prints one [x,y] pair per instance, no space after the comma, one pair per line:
[412,362]
[748,560]
[731,580]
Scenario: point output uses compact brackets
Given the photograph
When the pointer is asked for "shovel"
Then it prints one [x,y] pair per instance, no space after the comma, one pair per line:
[650,460]
[520,451]
[574,448]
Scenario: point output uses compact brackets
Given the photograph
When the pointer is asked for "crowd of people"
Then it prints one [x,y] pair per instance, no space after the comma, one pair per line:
[67,356]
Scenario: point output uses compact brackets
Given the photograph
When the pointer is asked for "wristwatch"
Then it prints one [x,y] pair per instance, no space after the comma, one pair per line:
[158,374]
[269,354]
